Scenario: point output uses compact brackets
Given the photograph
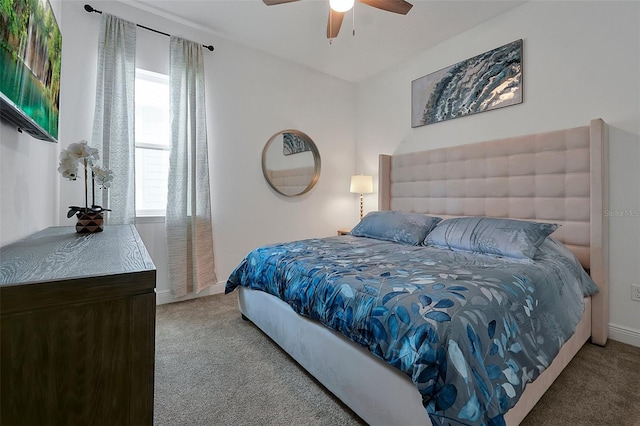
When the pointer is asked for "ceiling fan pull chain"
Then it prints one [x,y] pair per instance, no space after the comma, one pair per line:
[353,23]
[330,25]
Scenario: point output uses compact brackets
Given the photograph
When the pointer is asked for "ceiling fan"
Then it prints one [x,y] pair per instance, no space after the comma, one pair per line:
[339,7]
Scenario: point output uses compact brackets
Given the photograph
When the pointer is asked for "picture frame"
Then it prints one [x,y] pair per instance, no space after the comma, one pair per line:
[485,82]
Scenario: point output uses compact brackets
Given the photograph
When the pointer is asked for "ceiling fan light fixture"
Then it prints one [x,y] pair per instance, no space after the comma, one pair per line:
[341,5]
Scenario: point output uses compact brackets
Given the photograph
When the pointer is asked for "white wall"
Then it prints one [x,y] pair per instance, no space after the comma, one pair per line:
[250,96]
[27,190]
[581,61]
[28,182]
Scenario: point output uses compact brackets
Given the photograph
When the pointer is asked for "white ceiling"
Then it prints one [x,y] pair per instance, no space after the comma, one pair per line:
[297,31]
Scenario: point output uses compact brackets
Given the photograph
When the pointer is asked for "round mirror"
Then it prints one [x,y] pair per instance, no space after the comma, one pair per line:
[291,163]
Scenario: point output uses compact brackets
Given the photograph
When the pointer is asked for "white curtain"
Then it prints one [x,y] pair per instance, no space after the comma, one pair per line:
[113,122]
[188,219]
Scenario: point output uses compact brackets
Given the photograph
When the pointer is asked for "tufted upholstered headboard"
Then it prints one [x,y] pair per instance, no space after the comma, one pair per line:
[291,181]
[557,176]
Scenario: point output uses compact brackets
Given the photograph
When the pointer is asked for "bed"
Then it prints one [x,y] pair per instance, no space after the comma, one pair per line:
[556,177]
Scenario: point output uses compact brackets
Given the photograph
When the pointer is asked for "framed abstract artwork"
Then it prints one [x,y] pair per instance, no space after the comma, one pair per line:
[487,81]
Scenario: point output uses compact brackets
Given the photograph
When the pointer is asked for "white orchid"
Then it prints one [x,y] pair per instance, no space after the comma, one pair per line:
[68,165]
[81,153]
[102,175]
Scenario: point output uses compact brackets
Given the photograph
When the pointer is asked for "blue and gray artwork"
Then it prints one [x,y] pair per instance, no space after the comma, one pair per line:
[293,144]
[482,83]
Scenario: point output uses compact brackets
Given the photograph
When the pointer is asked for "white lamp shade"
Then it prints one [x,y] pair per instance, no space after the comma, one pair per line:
[361,184]
[341,5]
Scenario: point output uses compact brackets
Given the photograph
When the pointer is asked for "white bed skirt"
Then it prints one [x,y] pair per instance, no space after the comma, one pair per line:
[374,390]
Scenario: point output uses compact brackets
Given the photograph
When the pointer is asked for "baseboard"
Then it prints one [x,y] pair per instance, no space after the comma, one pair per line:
[624,334]
[165,296]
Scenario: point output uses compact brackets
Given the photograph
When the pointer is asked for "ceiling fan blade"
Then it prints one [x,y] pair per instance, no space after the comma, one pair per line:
[396,6]
[274,2]
[334,23]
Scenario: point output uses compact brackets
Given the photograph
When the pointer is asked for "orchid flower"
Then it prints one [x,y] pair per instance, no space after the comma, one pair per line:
[103,176]
[82,153]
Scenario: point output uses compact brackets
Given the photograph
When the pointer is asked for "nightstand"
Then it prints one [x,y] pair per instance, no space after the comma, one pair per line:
[344,231]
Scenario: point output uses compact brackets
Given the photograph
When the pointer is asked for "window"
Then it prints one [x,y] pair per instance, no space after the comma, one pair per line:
[153,133]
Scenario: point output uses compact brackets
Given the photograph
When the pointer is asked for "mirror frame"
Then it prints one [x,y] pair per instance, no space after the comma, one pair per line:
[316,161]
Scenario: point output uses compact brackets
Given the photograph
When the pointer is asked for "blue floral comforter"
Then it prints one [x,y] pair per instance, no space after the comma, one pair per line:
[470,330]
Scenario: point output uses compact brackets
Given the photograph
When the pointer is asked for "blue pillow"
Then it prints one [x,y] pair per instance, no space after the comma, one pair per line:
[503,237]
[400,227]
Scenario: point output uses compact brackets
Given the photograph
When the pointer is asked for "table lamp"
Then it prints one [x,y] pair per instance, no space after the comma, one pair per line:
[361,185]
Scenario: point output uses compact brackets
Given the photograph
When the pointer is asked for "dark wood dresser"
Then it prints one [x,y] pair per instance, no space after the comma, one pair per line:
[77,330]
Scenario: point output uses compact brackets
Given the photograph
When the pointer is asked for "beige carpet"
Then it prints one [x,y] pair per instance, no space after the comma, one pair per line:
[213,368]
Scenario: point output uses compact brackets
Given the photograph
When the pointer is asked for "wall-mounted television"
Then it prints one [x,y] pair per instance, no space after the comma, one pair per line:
[30,60]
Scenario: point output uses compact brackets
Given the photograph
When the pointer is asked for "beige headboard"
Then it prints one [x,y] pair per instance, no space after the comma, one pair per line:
[291,181]
[557,176]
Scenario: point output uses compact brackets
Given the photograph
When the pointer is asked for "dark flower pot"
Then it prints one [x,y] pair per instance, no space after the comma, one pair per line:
[89,223]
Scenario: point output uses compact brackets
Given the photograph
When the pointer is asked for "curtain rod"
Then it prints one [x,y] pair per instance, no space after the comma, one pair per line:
[88,8]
